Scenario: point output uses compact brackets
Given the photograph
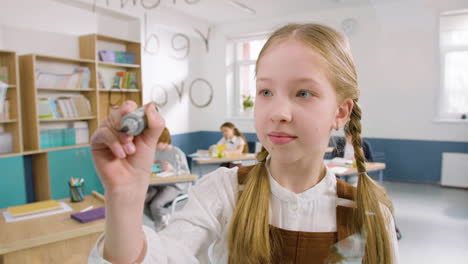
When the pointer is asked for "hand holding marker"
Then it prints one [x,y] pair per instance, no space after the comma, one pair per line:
[135,122]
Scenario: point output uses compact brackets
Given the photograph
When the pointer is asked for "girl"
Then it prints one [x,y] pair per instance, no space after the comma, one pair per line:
[233,139]
[172,159]
[286,209]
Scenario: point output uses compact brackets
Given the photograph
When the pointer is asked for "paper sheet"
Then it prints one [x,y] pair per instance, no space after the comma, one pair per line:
[338,169]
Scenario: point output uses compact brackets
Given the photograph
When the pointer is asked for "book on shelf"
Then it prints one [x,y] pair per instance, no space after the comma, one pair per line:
[5,113]
[3,94]
[111,56]
[64,134]
[101,81]
[6,142]
[4,74]
[125,80]
[64,107]
[45,108]
[80,78]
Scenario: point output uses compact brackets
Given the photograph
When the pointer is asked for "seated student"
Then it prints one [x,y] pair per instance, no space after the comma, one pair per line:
[344,147]
[173,159]
[233,139]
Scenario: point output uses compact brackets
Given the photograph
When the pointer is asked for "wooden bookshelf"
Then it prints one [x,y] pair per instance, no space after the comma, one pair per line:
[121,90]
[67,89]
[24,122]
[12,124]
[8,121]
[81,118]
[118,65]
[90,45]
[29,64]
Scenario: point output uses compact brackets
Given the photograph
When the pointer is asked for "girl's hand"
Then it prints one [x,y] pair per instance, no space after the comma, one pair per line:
[124,162]
[166,166]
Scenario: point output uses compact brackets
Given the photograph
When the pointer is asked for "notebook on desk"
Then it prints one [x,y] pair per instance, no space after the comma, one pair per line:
[34,208]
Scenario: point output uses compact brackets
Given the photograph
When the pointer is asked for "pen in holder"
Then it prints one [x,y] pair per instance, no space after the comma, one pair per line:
[76,190]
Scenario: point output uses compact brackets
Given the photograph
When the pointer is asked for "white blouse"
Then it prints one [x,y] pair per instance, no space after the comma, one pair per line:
[198,233]
[231,144]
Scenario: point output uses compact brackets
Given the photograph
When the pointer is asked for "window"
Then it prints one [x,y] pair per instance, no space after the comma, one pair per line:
[245,55]
[453,104]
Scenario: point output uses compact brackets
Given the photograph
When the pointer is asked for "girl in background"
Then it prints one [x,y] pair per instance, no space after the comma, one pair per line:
[233,139]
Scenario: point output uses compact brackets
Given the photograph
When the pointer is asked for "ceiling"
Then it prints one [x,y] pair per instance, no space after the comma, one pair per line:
[224,11]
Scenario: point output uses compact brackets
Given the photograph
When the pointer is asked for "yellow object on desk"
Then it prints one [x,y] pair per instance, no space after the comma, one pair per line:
[34,208]
[218,151]
[50,239]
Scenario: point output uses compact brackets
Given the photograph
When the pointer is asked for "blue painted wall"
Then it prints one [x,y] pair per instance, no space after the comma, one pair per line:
[12,187]
[407,160]
[76,163]
[414,160]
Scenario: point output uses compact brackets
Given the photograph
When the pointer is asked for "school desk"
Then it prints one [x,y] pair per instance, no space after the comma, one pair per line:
[50,239]
[202,163]
[370,166]
[155,180]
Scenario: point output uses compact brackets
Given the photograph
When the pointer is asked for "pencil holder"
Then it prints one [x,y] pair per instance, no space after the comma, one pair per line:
[77,193]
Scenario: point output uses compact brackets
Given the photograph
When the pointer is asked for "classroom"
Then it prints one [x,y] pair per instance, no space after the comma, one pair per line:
[71,163]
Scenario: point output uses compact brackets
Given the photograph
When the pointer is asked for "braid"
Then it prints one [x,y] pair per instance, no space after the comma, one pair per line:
[354,127]
[369,198]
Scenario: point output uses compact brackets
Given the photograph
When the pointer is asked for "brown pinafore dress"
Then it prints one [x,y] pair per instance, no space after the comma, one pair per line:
[310,247]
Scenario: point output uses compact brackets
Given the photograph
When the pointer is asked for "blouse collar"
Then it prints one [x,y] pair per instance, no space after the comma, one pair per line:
[327,186]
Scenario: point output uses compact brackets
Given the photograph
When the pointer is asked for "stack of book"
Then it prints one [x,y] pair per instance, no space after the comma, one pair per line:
[36,209]
[125,80]
[4,103]
[80,78]
[63,134]
[6,142]
[4,74]
[64,107]
[117,56]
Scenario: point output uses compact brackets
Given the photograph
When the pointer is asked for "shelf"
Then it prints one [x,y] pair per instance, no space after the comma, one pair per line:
[116,40]
[8,121]
[63,59]
[65,147]
[67,89]
[9,52]
[118,65]
[66,119]
[120,90]
[32,152]
[11,154]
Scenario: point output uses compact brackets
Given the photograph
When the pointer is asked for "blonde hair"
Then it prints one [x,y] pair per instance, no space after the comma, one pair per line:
[250,240]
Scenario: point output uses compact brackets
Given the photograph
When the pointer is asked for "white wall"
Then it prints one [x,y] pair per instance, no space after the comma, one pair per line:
[1,36]
[52,27]
[396,52]
[160,70]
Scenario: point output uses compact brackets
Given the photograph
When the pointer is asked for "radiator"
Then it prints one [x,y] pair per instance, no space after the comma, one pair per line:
[455,169]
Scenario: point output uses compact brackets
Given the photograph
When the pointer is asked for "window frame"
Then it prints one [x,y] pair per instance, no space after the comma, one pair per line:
[233,105]
[441,115]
